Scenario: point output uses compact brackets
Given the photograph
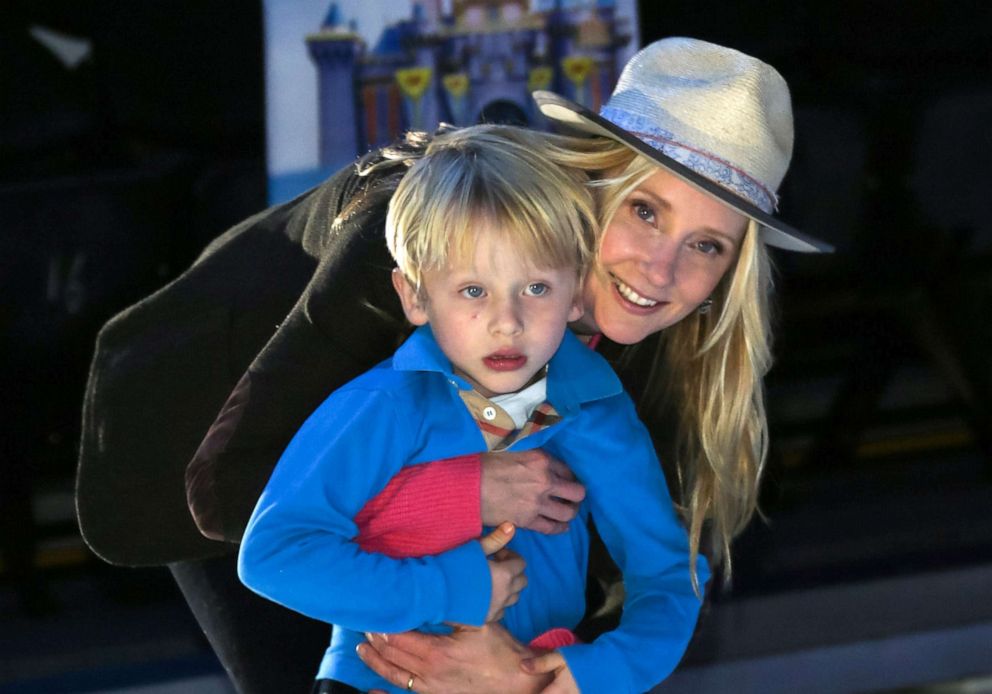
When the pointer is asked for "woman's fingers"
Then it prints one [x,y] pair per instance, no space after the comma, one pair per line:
[547,526]
[552,663]
[395,650]
[555,509]
[385,667]
[560,505]
[407,649]
[530,488]
[497,539]
[565,487]
[563,683]
[381,666]
[548,662]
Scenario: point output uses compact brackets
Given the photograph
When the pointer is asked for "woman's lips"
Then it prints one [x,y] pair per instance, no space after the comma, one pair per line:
[505,362]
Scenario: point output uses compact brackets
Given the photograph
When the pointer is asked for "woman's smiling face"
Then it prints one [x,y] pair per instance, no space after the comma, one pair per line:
[664,252]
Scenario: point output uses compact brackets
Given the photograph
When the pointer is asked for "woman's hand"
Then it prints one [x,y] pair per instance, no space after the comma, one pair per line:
[467,661]
[552,663]
[530,489]
[506,569]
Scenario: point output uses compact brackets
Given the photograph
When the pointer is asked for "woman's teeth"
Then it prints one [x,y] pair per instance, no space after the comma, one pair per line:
[632,296]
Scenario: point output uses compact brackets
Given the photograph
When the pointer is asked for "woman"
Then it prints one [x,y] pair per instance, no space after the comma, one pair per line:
[691,148]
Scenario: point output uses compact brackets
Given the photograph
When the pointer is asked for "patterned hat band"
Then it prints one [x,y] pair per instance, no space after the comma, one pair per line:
[702,162]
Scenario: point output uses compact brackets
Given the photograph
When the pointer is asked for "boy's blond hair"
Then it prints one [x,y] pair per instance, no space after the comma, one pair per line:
[492,177]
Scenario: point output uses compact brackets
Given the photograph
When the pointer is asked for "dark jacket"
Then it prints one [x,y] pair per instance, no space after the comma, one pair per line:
[287,307]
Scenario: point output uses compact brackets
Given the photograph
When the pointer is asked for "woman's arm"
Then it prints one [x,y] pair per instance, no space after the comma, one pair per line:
[346,320]
[429,508]
[161,370]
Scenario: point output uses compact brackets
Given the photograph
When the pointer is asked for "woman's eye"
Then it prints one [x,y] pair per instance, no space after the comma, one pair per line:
[473,292]
[643,212]
[537,289]
[709,247]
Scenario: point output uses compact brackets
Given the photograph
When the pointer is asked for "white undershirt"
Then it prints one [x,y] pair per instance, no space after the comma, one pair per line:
[519,405]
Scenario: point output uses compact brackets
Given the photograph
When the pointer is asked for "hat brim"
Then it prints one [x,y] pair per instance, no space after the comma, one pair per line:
[774,231]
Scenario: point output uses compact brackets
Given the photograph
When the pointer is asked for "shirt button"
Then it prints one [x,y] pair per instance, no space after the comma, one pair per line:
[489,413]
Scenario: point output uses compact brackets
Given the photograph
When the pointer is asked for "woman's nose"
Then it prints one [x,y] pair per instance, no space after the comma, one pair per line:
[659,261]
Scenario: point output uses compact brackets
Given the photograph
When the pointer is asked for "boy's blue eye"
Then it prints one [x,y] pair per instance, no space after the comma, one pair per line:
[537,289]
[473,292]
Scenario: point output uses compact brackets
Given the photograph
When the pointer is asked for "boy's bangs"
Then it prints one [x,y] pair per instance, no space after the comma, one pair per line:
[534,241]
[478,181]
[545,238]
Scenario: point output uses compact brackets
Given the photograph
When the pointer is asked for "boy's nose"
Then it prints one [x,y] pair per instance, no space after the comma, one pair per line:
[505,319]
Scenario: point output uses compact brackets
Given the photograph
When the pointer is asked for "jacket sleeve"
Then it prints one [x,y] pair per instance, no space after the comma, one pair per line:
[160,371]
[629,503]
[346,320]
[298,549]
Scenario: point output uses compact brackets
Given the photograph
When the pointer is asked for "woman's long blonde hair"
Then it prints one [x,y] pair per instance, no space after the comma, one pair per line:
[707,370]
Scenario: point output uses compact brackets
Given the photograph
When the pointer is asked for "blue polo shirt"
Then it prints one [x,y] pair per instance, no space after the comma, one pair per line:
[298,549]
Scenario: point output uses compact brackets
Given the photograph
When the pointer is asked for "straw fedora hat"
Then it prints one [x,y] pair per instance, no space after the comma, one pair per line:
[718,119]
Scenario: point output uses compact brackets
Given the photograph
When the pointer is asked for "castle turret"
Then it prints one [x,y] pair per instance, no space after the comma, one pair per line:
[424,111]
[429,11]
[336,49]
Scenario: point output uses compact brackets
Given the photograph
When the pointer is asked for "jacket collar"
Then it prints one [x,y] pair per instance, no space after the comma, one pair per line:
[576,374]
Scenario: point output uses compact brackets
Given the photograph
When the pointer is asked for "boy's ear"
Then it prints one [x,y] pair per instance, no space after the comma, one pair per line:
[413,307]
[577,309]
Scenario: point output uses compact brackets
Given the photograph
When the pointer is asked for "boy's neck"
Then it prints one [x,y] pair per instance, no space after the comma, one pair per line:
[583,329]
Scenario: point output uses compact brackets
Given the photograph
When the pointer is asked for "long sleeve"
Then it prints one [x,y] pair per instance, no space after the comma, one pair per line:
[298,549]
[160,371]
[630,505]
[424,509]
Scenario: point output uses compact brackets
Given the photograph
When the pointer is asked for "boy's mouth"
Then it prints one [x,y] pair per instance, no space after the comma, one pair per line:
[505,361]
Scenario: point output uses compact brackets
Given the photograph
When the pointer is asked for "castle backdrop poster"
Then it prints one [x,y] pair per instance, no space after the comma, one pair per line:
[345,77]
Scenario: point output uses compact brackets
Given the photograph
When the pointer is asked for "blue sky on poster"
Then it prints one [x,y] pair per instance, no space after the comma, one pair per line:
[291,78]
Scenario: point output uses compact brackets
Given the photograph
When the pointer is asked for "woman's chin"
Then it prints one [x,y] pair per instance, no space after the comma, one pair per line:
[623,332]
[626,329]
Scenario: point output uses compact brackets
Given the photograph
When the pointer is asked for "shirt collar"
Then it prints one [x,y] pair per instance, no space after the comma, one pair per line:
[576,374]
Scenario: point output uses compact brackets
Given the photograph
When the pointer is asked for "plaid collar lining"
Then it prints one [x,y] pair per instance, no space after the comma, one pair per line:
[498,429]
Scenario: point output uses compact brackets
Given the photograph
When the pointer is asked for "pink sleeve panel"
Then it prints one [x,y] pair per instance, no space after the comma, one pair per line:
[554,638]
[425,509]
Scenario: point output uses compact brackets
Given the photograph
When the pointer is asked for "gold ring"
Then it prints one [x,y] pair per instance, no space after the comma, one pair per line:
[409,684]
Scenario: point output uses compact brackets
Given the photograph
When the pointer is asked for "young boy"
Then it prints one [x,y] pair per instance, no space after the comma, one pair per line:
[491,241]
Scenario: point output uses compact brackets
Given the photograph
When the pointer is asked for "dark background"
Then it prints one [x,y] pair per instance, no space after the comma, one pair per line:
[113,175]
